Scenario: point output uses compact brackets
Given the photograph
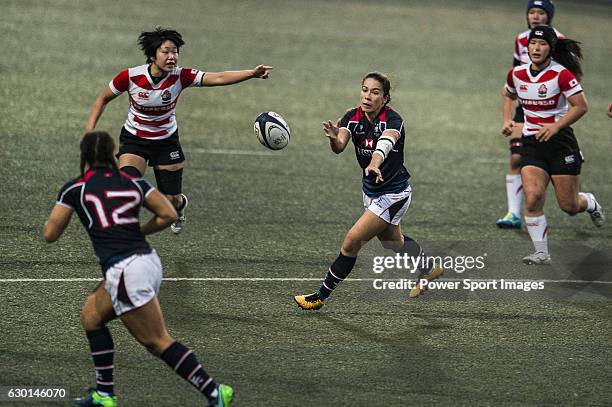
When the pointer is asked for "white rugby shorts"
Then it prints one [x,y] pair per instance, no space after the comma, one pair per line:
[389,207]
[134,281]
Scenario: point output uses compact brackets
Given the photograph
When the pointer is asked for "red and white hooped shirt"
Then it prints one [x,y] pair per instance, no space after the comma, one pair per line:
[544,96]
[151,114]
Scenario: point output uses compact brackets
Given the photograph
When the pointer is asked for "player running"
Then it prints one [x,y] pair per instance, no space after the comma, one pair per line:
[539,12]
[377,132]
[550,150]
[150,134]
[108,202]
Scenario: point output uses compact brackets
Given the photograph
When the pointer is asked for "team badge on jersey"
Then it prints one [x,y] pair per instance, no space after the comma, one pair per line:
[542,91]
[166,96]
[368,143]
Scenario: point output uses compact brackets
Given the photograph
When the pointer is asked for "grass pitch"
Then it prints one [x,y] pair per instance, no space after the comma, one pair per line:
[283,216]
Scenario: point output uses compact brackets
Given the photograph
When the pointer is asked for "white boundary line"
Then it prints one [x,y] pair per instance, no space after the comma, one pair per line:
[230,152]
[223,279]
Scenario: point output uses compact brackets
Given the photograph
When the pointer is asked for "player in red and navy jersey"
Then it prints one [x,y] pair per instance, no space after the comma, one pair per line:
[107,202]
[150,135]
[539,12]
[552,98]
[378,134]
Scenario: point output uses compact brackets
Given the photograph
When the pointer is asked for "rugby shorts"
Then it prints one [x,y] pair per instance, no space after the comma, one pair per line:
[134,281]
[560,155]
[389,207]
[155,152]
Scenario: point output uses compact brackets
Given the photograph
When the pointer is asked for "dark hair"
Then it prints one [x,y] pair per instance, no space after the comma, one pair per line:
[150,41]
[384,81]
[569,54]
[97,147]
[565,51]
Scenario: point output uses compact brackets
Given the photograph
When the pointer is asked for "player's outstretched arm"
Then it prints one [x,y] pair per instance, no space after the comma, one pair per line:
[57,222]
[384,146]
[164,213]
[338,137]
[98,107]
[232,77]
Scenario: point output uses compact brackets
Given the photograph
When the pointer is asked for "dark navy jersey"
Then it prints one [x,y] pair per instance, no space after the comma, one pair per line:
[108,203]
[365,135]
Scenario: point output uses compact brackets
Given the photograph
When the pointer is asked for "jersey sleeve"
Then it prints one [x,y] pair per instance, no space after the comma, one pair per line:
[348,117]
[510,87]
[120,83]
[68,195]
[145,187]
[395,122]
[191,77]
[568,83]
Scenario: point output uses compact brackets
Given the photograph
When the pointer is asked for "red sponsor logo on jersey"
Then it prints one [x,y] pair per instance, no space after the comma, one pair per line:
[523,88]
[166,96]
[143,95]
[542,90]
[368,143]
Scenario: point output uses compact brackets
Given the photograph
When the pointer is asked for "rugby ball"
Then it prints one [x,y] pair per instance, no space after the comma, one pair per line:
[272,130]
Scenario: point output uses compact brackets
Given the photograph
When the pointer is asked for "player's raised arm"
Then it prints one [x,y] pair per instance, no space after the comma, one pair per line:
[232,77]
[105,96]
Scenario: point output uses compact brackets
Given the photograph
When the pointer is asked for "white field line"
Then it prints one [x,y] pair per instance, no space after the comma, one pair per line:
[224,279]
[230,152]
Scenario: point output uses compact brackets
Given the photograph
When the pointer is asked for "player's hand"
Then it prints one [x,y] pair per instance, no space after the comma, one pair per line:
[610,110]
[507,127]
[546,132]
[262,71]
[331,130]
[374,170]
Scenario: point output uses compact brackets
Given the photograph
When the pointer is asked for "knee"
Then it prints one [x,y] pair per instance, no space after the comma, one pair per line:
[90,320]
[158,344]
[350,246]
[533,200]
[571,208]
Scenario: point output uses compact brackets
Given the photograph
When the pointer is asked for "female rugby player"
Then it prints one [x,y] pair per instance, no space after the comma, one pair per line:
[377,132]
[150,133]
[550,151]
[108,202]
[539,12]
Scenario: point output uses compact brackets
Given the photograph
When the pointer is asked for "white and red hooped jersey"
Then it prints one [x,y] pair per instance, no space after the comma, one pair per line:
[521,53]
[544,96]
[152,106]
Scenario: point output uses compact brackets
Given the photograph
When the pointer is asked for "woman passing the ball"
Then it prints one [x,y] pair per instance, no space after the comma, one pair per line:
[378,134]
[550,151]
[150,135]
[107,202]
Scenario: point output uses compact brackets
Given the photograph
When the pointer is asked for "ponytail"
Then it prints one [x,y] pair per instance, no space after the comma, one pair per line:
[568,53]
[97,147]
